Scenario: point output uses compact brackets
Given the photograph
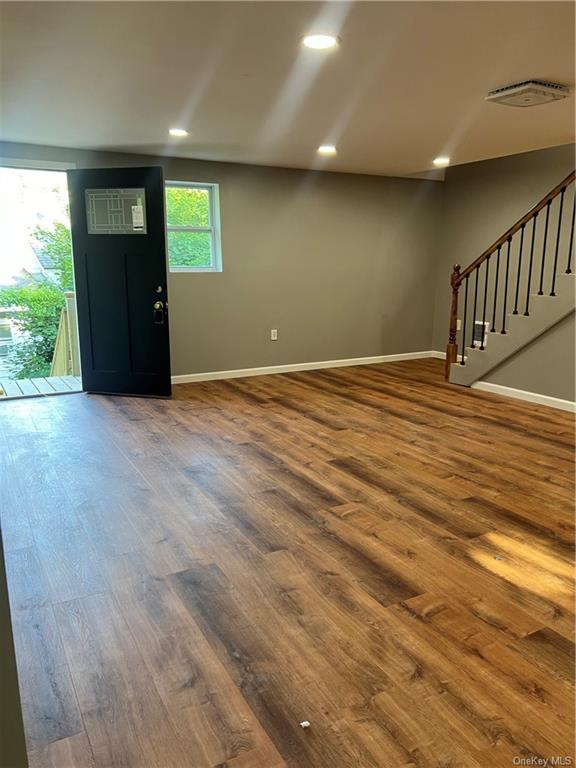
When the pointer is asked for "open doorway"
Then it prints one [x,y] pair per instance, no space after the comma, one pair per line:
[38,333]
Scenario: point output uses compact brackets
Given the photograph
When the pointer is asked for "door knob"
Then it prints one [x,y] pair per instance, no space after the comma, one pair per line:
[159,313]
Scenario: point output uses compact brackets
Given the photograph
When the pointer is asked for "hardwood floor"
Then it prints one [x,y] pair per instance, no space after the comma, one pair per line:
[369,549]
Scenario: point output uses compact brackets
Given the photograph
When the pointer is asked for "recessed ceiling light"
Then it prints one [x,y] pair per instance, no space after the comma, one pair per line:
[441,162]
[320,42]
[178,132]
[326,149]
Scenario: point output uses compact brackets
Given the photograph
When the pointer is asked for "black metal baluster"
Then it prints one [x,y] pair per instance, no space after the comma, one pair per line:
[503,331]
[484,306]
[526,312]
[473,342]
[493,329]
[558,233]
[515,312]
[462,361]
[569,266]
[541,288]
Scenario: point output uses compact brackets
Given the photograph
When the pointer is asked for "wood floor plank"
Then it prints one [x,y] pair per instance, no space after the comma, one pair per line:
[550,651]
[47,689]
[71,563]
[192,682]
[123,714]
[369,548]
[27,582]
[72,752]
[49,706]
[280,697]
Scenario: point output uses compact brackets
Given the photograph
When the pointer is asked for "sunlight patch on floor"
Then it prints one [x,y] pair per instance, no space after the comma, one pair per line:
[532,554]
[526,567]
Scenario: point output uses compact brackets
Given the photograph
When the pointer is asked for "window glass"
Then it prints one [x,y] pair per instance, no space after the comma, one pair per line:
[187,207]
[193,226]
[116,211]
[189,249]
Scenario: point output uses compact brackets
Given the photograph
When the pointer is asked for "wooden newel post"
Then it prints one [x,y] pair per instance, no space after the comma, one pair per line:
[452,347]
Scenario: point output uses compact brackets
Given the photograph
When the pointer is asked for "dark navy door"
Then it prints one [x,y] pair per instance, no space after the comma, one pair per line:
[119,246]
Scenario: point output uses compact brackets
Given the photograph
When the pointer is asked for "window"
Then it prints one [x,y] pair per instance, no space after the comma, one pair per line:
[193,227]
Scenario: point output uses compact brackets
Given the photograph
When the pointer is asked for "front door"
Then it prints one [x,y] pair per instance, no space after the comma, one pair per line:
[119,248]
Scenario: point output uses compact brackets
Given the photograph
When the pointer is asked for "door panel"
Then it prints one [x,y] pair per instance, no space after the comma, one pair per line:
[107,311]
[119,245]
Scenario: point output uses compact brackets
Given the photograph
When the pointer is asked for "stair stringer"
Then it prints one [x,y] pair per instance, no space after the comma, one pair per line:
[545,313]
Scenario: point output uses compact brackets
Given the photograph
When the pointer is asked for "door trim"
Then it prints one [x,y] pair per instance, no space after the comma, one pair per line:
[36,165]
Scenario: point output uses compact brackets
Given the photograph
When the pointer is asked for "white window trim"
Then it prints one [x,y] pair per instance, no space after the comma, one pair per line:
[35,165]
[214,229]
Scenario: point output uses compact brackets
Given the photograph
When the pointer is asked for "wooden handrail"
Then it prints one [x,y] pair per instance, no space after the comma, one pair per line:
[459,275]
[516,228]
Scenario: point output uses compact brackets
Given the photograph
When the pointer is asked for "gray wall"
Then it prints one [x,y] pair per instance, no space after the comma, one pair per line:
[12,741]
[546,366]
[481,200]
[342,265]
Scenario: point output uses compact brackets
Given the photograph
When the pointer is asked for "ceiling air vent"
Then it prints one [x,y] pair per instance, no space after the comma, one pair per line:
[528,93]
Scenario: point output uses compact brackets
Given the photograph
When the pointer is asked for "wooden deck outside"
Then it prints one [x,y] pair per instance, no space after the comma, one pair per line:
[52,385]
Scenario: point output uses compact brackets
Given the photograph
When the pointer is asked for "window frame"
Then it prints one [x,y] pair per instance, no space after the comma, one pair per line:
[214,228]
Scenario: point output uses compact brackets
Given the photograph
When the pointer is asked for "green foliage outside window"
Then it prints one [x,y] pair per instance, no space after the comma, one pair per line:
[188,207]
[189,249]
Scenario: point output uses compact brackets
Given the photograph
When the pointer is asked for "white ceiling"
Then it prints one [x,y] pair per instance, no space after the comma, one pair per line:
[406,84]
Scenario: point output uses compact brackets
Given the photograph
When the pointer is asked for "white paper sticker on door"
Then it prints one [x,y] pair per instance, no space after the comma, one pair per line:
[137,217]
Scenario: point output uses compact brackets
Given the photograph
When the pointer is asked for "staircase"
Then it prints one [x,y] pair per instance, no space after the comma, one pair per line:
[515,291]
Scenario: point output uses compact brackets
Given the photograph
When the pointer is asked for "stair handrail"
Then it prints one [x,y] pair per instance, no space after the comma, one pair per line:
[459,275]
[517,227]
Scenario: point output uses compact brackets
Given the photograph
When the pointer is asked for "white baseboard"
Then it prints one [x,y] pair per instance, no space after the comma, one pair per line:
[486,386]
[531,397]
[187,378]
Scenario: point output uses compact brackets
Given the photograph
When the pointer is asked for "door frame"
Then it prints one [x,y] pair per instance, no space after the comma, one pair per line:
[31,164]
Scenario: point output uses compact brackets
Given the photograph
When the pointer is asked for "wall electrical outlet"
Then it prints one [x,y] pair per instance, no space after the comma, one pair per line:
[274,334]
[458,324]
